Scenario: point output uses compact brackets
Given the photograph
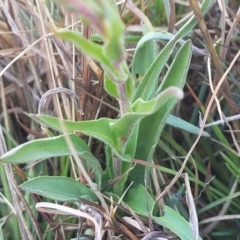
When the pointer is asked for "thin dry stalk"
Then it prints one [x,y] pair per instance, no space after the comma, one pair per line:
[216,62]
[193,218]
[24,231]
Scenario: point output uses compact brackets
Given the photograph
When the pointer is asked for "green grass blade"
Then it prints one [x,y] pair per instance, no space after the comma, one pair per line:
[184,125]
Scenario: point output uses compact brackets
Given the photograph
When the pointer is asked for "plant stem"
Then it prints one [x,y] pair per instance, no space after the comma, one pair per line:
[123,104]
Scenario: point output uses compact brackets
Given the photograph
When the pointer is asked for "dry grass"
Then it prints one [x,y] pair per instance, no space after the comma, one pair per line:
[33,61]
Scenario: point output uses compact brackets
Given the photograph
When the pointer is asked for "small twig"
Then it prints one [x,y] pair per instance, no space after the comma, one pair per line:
[95,215]
[193,218]
[172,16]
[156,235]
[205,185]
[233,136]
[211,86]
[224,89]
[45,96]
[226,120]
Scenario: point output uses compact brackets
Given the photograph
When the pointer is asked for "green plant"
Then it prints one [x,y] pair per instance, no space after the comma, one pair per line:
[145,105]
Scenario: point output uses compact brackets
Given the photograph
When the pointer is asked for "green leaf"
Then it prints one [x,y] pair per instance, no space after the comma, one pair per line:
[109,161]
[98,129]
[167,9]
[148,82]
[231,165]
[110,87]
[132,142]
[219,201]
[58,188]
[93,50]
[89,48]
[151,126]
[43,148]
[129,85]
[123,127]
[143,58]
[176,75]
[184,125]
[148,107]
[175,223]
[139,200]
[52,147]
[125,166]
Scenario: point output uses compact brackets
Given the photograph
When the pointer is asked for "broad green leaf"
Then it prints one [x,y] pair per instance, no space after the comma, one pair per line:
[148,83]
[175,223]
[184,125]
[125,166]
[132,142]
[44,148]
[151,126]
[143,58]
[52,147]
[124,126]
[176,75]
[113,89]
[98,129]
[149,131]
[129,85]
[145,54]
[139,200]
[58,188]
[93,50]
[110,87]
[148,107]
[89,48]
